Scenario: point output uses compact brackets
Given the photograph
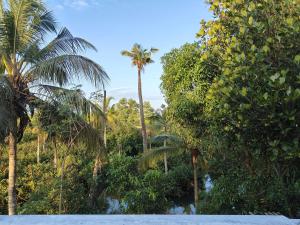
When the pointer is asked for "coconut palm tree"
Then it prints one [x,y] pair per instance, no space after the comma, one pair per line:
[102,101]
[26,62]
[140,57]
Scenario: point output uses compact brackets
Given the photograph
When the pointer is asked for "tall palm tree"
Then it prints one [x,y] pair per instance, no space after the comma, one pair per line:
[140,57]
[102,101]
[26,62]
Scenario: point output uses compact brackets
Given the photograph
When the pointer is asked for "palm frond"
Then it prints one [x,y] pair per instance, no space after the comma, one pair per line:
[127,53]
[163,137]
[1,9]
[65,43]
[45,22]
[157,154]
[29,22]
[59,121]
[154,50]
[64,68]
[24,22]
[74,99]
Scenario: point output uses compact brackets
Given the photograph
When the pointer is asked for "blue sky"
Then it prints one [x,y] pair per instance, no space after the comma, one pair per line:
[115,25]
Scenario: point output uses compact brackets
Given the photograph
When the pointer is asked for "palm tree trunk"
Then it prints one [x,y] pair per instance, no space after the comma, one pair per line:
[61,185]
[55,154]
[166,163]
[165,154]
[44,143]
[95,189]
[38,149]
[104,120]
[142,117]
[12,152]
[195,167]
[165,158]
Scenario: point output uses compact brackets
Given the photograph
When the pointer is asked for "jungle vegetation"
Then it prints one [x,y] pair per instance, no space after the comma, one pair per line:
[226,142]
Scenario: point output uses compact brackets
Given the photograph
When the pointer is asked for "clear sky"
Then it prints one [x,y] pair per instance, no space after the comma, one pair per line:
[115,25]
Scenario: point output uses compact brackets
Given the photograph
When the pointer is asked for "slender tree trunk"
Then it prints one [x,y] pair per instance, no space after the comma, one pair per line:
[142,116]
[165,158]
[166,163]
[44,143]
[38,149]
[12,152]
[61,185]
[165,154]
[195,167]
[104,120]
[55,154]
[105,137]
[95,190]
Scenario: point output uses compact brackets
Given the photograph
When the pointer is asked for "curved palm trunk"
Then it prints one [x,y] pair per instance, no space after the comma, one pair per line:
[195,167]
[12,154]
[142,117]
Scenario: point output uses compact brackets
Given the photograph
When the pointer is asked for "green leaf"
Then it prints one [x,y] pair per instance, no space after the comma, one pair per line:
[251,6]
[244,91]
[266,49]
[289,21]
[297,59]
[250,20]
[242,30]
[244,13]
[281,80]
[275,77]
[289,91]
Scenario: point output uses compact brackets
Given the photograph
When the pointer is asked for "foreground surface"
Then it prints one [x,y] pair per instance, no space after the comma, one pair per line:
[146,220]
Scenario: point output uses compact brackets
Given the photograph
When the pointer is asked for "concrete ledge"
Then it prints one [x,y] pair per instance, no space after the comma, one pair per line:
[146,220]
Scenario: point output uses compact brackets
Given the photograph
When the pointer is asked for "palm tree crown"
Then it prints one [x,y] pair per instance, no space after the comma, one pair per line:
[140,56]
[27,61]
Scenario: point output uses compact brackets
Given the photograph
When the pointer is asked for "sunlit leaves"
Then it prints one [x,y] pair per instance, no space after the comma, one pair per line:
[251,53]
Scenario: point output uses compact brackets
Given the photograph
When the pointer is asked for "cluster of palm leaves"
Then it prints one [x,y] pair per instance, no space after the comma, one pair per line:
[30,68]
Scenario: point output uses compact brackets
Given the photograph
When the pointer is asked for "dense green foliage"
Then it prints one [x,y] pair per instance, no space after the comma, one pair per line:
[236,93]
[138,191]
[232,116]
